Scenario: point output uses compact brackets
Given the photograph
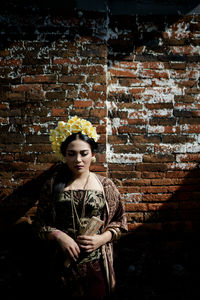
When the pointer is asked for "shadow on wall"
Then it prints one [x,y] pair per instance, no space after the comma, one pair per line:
[161,264]
[49,21]
[149,265]
[164,263]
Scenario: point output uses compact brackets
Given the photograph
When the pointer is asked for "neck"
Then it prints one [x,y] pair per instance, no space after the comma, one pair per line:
[81,176]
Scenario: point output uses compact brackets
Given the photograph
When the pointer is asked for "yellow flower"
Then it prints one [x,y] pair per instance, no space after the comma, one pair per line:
[63,130]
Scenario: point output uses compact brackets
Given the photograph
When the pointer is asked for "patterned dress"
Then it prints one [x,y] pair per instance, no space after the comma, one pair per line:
[68,221]
[93,275]
[85,278]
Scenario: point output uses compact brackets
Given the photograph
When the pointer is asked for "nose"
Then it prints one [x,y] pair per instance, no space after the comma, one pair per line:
[78,158]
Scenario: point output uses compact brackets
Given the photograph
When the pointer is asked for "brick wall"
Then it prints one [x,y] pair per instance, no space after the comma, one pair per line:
[153,110]
[137,79]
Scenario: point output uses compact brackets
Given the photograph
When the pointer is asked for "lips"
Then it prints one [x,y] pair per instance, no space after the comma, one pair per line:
[78,167]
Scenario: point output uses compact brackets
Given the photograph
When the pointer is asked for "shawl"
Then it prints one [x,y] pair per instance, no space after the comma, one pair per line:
[114,219]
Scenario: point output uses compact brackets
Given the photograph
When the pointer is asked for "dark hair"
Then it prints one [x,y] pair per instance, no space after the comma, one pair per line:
[64,174]
[76,136]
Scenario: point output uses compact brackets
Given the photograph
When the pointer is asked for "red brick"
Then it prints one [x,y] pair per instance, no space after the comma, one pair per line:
[117,139]
[99,168]
[123,73]
[189,157]
[76,79]
[136,121]
[182,74]
[56,112]
[177,174]
[55,95]
[63,61]
[10,62]
[153,74]
[128,129]
[151,167]
[161,206]
[47,158]
[136,207]
[39,79]
[153,65]
[184,98]
[156,197]
[136,182]
[153,174]
[16,96]
[99,88]
[92,70]
[158,158]
[154,189]
[137,90]
[191,129]
[4,53]
[129,189]
[163,182]
[100,113]
[101,129]
[92,95]
[126,65]
[3,106]
[186,83]
[153,106]
[40,166]
[101,79]
[79,103]
[12,138]
[26,87]
[185,50]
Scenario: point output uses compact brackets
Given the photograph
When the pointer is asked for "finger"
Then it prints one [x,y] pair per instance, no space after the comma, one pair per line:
[77,249]
[74,252]
[84,237]
[86,243]
[71,254]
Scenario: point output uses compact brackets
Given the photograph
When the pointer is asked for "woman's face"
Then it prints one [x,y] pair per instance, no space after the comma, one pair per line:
[78,156]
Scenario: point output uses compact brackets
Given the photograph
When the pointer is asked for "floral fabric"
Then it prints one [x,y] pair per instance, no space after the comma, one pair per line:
[94,204]
[113,215]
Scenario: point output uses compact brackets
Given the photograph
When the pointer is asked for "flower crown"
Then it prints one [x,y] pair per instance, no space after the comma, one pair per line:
[63,130]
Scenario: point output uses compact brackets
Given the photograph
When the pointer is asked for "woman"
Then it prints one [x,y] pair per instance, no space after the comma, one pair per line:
[74,196]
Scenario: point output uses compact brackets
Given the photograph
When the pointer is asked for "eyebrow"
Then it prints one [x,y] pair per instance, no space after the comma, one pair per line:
[86,150]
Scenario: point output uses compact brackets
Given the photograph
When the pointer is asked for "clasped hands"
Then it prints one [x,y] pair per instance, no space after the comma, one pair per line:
[83,243]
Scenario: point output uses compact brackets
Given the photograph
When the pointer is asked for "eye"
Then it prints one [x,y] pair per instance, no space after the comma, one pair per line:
[70,153]
[84,153]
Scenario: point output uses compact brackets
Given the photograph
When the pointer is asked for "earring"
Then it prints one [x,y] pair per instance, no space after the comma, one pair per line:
[93,160]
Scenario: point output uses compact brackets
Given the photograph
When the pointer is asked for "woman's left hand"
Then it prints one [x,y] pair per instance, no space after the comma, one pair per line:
[90,243]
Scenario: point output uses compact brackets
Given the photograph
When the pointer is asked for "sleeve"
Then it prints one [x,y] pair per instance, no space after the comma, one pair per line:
[116,220]
[44,218]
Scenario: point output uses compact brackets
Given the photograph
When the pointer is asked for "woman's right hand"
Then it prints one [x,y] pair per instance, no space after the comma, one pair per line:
[67,244]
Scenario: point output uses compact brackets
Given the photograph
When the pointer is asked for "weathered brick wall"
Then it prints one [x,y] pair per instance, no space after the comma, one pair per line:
[137,79]
[56,71]
[153,125]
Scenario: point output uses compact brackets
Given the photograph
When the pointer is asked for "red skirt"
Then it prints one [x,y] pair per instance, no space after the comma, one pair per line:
[85,281]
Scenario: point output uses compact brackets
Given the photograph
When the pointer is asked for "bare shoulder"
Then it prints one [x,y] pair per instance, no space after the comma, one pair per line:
[95,183]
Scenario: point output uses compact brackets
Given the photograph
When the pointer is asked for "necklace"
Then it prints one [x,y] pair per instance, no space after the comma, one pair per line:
[74,210]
